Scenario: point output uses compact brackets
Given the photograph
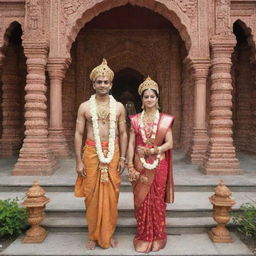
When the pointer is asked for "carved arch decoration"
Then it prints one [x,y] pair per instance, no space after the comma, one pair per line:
[129,54]
[5,31]
[177,12]
[250,38]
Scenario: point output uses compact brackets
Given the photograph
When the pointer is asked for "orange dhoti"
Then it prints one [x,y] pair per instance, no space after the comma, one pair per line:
[101,198]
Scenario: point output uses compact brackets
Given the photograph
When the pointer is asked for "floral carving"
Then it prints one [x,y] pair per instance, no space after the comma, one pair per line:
[223,17]
[188,7]
[70,6]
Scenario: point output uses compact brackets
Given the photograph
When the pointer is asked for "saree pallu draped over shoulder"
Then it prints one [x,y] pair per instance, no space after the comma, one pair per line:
[101,198]
[153,192]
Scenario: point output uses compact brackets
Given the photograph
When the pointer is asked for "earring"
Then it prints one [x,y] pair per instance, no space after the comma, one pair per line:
[157,105]
[142,106]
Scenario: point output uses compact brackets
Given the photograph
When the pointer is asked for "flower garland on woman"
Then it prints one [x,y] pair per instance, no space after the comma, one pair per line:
[150,169]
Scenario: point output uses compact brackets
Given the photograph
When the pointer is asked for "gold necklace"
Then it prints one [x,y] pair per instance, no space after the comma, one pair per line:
[103,112]
[149,118]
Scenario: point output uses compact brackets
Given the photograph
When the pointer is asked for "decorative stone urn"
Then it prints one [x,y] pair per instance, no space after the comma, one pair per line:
[35,204]
[222,204]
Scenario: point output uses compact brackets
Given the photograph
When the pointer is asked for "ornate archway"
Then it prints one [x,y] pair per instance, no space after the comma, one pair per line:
[177,12]
[129,46]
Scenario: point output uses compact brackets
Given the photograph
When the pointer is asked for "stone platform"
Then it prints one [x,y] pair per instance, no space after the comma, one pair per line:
[188,219]
[64,244]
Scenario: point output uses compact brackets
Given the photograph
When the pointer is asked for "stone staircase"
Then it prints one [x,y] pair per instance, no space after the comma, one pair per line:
[188,219]
[191,213]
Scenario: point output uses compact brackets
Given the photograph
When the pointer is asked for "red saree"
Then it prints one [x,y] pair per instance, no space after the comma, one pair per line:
[152,194]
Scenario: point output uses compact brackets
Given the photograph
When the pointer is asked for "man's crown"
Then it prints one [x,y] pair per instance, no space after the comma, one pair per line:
[102,70]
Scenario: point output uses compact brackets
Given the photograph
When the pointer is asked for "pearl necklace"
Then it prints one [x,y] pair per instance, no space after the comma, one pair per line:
[152,138]
[112,129]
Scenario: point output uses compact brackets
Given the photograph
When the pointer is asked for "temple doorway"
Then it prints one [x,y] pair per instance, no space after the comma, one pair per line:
[125,89]
[128,37]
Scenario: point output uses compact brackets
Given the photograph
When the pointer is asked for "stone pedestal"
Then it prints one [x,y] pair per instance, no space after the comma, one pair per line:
[200,139]
[35,204]
[57,140]
[221,156]
[35,156]
[222,203]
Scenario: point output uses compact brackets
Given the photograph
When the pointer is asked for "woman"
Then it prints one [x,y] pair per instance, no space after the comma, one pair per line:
[150,169]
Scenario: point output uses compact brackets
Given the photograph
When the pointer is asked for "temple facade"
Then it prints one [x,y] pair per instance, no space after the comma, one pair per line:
[201,53]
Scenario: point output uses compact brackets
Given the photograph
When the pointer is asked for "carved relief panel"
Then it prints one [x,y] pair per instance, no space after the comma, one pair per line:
[222,17]
[36,21]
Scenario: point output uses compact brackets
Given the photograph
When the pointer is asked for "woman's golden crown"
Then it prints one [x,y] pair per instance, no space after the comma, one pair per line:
[148,84]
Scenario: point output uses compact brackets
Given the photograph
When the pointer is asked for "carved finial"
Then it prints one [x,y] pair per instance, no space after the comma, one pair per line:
[104,61]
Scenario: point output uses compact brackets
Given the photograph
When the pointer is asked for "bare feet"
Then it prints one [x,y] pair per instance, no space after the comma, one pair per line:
[91,245]
[113,242]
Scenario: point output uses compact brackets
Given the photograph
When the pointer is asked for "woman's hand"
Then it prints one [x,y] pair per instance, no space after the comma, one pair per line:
[133,175]
[141,151]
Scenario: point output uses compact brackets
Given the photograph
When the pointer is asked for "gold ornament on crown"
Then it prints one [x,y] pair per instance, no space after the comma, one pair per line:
[148,84]
[102,70]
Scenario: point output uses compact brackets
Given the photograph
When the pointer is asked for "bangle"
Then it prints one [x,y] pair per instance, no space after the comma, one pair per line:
[122,158]
[130,165]
[159,149]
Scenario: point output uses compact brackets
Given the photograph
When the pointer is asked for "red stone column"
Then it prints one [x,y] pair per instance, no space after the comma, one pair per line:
[57,140]
[35,156]
[12,135]
[221,156]
[200,138]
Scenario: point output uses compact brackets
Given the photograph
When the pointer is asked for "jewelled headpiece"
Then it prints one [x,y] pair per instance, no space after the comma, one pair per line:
[102,70]
[148,84]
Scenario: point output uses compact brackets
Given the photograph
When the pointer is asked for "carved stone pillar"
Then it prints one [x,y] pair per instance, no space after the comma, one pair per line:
[57,140]
[221,156]
[200,138]
[35,156]
[11,140]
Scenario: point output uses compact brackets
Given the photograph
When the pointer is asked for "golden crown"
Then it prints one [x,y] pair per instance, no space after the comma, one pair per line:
[102,70]
[148,84]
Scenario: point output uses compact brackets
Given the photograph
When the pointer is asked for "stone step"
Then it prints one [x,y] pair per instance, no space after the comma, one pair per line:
[175,225]
[125,187]
[183,183]
[73,244]
[187,204]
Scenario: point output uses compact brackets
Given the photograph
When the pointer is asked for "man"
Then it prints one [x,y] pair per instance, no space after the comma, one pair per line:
[103,158]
